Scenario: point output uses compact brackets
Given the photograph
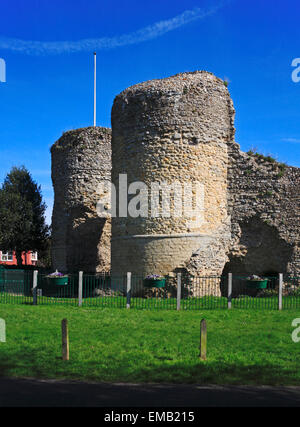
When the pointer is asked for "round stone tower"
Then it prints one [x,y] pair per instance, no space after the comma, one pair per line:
[81,160]
[170,141]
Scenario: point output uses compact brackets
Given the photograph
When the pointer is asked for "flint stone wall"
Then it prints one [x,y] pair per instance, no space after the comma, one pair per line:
[264,211]
[81,160]
[264,204]
[174,129]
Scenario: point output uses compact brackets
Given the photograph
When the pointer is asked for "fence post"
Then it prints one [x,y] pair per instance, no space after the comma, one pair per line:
[128,291]
[34,287]
[203,339]
[280,291]
[80,282]
[65,339]
[229,294]
[178,290]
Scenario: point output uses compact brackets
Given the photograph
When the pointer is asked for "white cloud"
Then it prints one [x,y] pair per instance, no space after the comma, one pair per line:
[147,33]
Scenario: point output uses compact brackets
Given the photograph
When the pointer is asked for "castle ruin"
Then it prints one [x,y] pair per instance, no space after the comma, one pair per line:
[179,129]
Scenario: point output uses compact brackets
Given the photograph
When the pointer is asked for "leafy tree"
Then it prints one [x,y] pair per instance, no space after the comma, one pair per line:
[22,214]
[44,260]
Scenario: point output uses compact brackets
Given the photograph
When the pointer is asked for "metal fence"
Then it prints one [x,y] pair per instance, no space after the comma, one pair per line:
[181,292]
[16,286]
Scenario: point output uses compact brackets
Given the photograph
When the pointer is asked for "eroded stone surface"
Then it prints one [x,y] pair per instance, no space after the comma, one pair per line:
[264,205]
[81,159]
[175,129]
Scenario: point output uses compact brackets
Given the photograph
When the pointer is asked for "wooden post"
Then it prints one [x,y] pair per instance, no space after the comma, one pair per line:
[128,290]
[178,290]
[2,330]
[34,287]
[65,339]
[229,290]
[280,291]
[80,282]
[203,339]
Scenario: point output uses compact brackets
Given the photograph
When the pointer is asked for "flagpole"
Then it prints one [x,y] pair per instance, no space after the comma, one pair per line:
[95,65]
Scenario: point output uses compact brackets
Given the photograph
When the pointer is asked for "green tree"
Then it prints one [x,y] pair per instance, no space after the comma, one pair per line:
[22,214]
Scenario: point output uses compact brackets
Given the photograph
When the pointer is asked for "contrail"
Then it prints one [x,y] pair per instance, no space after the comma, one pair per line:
[147,33]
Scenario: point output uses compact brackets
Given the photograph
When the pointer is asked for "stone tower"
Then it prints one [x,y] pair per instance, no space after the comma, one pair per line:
[174,131]
[81,159]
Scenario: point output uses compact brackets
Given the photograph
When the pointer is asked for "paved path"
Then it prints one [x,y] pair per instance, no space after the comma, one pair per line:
[31,392]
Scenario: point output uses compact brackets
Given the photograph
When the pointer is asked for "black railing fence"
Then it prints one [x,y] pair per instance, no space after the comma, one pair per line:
[179,292]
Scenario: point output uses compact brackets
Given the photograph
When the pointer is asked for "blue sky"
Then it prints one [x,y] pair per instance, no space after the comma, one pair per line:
[49,85]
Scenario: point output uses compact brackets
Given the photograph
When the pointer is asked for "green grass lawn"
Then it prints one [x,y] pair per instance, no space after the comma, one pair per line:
[119,345]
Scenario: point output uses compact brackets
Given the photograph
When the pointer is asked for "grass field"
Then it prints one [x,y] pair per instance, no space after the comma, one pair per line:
[113,345]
